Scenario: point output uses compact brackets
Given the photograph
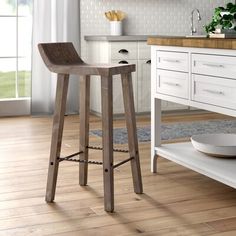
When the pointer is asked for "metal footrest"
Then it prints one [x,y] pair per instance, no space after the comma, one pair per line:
[114,150]
[80,161]
[70,158]
[122,162]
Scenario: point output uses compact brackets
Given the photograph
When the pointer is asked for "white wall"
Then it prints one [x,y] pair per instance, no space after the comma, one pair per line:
[162,17]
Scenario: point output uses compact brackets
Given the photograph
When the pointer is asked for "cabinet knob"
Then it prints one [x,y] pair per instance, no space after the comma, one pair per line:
[149,62]
[123,62]
[124,51]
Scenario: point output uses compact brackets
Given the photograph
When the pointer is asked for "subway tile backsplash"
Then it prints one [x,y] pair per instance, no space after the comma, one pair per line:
[162,17]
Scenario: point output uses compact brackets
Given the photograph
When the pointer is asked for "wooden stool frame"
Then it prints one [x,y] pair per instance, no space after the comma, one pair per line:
[62,58]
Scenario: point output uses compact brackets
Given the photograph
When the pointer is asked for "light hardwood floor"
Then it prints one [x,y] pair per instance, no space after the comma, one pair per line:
[176,201]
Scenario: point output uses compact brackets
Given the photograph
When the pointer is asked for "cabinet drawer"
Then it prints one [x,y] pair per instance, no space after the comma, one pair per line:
[124,50]
[177,61]
[216,65]
[213,90]
[144,51]
[172,83]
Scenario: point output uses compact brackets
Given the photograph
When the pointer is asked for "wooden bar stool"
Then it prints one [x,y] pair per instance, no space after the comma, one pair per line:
[62,58]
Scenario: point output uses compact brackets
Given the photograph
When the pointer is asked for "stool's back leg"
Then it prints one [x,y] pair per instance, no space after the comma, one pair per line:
[57,131]
[107,141]
[84,128]
[132,131]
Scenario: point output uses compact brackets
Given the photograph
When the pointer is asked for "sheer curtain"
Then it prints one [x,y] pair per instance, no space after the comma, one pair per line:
[53,21]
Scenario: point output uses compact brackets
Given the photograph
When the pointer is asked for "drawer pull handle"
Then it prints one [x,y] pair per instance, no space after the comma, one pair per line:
[171,60]
[213,91]
[148,62]
[213,65]
[172,84]
[123,62]
[123,51]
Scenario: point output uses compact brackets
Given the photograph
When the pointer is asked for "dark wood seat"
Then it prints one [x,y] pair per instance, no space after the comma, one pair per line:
[62,58]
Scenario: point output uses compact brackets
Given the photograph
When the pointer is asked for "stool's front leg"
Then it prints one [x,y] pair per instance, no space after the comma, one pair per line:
[57,131]
[132,131]
[107,140]
[84,128]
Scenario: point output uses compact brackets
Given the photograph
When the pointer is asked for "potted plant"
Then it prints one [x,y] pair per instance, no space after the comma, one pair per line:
[224,18]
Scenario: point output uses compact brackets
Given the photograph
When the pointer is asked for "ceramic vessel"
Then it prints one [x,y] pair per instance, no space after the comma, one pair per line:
[221,145]
[116,27]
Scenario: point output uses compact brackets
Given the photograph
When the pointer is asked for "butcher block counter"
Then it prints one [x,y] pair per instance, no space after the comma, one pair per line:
[193,42]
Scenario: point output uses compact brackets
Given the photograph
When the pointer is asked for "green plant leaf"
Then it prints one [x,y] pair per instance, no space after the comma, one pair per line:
[229,5]
[225,21]
[228,17]
[233,9]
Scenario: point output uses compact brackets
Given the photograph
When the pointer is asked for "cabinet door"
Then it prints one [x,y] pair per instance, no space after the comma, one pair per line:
[118,103]
[144,51]
[144,86]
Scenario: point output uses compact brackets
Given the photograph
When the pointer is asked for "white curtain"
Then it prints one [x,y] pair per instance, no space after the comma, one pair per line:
[53,21]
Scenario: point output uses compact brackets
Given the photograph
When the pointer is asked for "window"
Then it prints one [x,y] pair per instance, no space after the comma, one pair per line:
[15,49]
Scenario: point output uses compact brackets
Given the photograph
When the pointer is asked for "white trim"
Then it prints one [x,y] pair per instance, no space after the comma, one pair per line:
[15,107]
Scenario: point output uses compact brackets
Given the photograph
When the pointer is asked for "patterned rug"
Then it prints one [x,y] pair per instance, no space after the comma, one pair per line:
[175,130]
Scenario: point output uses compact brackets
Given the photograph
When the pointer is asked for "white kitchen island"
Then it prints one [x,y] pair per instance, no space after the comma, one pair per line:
[195,72]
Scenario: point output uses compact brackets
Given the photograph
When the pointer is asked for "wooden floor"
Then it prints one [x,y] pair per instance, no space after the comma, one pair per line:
[176,201]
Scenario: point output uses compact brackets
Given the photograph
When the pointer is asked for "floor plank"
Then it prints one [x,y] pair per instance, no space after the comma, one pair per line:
[176,201]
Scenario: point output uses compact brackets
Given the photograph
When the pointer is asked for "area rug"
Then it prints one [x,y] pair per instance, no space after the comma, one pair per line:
[175,130]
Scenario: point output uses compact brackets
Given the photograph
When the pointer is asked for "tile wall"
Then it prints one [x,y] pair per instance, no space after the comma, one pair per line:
[162,17]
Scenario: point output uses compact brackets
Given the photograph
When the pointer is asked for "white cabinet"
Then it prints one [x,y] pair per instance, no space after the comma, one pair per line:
[197,77]
[172,73]
[118,104]
[174,61]
[135,52]
[213,79]
[121,52]
[143,85]
[215,65]
[172,83]
[124,50]
[214,90]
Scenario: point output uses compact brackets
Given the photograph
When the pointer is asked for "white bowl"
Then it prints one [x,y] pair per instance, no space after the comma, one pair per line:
[220,145]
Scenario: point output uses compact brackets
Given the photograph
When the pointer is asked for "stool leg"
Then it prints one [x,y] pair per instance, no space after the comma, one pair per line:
[57,131]
[107,140]
[132,131]
[84,128]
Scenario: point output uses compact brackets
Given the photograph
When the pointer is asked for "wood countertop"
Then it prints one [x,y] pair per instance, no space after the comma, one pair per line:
[193,42]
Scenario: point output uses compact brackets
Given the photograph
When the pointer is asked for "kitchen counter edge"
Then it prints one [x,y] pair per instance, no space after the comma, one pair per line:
[217,43]
[111,38]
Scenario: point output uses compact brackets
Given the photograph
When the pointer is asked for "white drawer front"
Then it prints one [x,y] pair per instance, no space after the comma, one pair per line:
[124,50]
[172,83]
[177,61]
[144,51]
[216,65]
[216,91]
